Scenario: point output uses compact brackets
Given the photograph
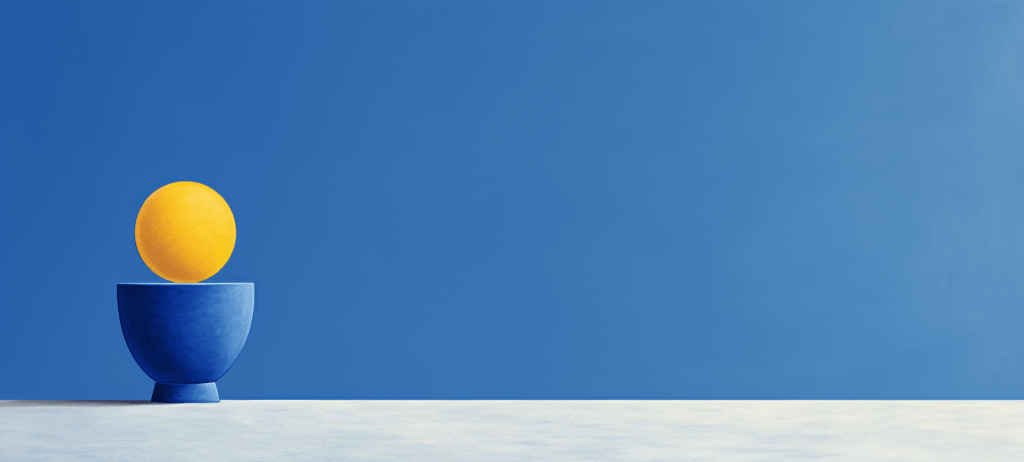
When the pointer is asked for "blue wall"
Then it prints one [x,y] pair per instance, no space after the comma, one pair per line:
[530,199]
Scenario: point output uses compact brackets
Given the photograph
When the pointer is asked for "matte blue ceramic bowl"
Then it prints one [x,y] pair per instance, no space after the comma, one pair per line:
[185,336]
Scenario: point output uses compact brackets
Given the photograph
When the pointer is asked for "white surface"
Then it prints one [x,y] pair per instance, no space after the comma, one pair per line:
[514,430]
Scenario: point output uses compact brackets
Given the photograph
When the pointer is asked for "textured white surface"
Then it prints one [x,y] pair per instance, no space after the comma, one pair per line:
[514,430]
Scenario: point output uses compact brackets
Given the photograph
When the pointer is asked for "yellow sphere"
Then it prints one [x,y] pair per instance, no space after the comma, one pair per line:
[185,232]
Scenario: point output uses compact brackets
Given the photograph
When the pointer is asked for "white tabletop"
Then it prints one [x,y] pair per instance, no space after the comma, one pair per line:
[514,430]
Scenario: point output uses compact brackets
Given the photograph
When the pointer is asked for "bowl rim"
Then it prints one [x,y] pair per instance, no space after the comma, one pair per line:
[185,283]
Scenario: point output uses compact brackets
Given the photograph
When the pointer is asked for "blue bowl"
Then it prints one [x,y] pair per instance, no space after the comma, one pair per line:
[185,336]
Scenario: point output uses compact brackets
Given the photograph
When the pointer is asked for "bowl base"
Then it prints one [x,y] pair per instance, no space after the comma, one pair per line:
[185,393]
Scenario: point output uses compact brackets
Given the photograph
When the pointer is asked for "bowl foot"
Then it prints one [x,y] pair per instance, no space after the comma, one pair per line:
[185,393]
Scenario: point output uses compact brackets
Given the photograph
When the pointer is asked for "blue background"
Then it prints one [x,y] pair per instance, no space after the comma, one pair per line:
[552,199]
